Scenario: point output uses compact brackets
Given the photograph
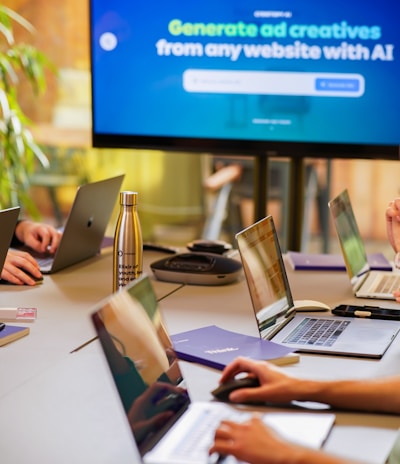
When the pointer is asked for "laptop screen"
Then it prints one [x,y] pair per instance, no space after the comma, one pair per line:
[265,273]
[142,362]
[352,246]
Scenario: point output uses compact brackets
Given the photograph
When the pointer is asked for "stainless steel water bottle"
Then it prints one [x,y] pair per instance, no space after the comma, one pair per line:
[128,242]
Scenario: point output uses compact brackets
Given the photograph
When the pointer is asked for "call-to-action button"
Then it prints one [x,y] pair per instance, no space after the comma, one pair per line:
[345,85]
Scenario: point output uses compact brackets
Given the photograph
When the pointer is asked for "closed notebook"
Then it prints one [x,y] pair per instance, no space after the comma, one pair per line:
[216,347]
[300,261]
[11,333]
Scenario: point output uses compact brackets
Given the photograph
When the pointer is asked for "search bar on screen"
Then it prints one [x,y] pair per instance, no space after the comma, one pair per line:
[274,83]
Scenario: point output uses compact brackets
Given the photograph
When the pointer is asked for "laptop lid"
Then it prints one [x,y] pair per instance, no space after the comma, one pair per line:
[275,310]
[351,243]
[8,222]
[86,223]
[142,361]
[365,283]
[269,288]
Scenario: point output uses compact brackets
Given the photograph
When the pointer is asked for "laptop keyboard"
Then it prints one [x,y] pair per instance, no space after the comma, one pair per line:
[317,332]
[190,441]
[45,263]
[387,284]
[199,438]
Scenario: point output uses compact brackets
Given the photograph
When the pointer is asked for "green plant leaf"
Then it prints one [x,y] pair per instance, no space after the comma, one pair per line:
[18,150]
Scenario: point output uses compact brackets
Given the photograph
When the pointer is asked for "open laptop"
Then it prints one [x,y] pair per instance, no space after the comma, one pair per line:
[85,226]
[276,314]
[168,428]
[8,222]
[365,282]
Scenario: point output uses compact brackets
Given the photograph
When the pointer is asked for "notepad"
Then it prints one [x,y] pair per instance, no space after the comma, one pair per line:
[11,333]
[216,347]
[300,261]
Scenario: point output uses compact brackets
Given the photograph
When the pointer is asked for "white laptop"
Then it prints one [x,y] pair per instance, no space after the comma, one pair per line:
[365,282]
[276,314]
[168,428]
[8,222]
[85,226]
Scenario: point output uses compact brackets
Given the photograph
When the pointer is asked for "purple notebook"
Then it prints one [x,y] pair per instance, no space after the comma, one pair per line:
[216,347]
[11,333]
[331,262]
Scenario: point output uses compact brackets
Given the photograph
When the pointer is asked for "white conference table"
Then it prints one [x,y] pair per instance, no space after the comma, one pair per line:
[64,301]
[62,407]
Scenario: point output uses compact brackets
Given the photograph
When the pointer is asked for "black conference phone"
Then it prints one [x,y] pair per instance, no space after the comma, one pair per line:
[197,268]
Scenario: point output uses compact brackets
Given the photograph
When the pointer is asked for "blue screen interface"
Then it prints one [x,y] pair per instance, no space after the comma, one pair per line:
[265,70]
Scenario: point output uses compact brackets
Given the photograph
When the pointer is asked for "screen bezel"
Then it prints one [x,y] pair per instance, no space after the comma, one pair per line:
[246,147]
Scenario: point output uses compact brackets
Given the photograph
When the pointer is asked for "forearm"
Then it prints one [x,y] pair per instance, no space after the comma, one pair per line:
[309,456]
[380,395]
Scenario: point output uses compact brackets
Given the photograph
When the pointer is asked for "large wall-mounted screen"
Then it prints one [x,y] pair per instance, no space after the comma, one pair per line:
[300,77]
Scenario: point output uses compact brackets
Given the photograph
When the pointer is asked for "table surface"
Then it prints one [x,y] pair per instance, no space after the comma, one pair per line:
[59,403]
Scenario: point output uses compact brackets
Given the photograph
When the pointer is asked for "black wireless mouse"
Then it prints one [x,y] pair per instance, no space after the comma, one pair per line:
[223,391]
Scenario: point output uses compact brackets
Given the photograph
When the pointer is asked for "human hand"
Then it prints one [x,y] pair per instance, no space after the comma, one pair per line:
[40,237]
[253,442]
[20,268]
[275,384]
[392,215]
[396,295]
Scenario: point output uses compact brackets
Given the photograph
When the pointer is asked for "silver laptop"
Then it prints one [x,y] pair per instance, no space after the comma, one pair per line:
[365,283]
[275,311]
[166,425]
[85,226]
[8,222]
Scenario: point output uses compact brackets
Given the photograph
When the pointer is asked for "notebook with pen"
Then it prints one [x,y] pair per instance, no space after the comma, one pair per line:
[366,283]
[85,226]
[275,310]
[167,426]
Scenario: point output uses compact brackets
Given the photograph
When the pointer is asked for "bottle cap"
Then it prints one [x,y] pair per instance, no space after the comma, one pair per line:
[128,198]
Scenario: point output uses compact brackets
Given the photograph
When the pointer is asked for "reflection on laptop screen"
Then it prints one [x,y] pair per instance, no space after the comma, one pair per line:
[262,262]
[143,365]
[349,235]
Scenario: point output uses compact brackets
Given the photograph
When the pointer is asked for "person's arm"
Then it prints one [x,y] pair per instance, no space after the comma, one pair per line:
[255,443]
[40,237]
[374,395]
[392,215]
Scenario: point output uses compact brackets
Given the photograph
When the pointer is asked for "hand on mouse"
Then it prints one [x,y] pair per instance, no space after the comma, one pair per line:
[223,391]
[275,385]
[20,268]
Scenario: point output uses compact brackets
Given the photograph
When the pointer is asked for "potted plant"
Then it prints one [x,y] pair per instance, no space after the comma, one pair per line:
[18,151]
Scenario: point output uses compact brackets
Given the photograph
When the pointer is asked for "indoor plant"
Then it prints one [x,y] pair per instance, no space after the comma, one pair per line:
[18,151]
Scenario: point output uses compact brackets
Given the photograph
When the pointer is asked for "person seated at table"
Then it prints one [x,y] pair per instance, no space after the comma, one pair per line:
[20,268]
[255,443]
[393,233]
